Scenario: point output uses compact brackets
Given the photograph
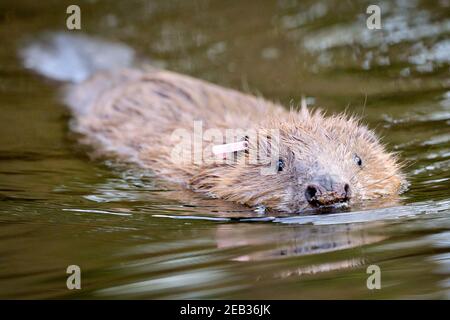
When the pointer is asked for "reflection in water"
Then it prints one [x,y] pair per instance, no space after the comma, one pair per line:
[174,270]
[298,241]
[402,24]
[184,280]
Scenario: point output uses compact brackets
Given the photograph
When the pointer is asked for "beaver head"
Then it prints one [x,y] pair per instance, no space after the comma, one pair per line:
[321,161]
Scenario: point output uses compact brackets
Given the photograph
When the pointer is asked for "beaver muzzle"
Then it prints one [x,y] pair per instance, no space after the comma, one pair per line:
[326,190]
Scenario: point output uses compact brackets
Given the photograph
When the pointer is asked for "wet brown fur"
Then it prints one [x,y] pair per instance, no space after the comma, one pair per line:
[134,113]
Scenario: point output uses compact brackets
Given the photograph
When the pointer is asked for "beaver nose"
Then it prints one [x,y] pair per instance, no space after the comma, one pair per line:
[325,190]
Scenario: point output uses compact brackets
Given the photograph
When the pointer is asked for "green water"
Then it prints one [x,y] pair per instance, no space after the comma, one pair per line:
[135,237]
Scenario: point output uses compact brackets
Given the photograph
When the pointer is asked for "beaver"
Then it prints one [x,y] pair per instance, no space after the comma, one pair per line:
[134,113]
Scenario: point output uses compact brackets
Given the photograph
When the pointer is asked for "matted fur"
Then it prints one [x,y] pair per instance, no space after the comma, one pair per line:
[134,113]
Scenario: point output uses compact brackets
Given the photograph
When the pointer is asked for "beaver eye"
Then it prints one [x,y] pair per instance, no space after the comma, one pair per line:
[280,165]
[358,160]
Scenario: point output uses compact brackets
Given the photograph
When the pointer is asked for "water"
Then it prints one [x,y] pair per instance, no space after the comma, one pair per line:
[135,236]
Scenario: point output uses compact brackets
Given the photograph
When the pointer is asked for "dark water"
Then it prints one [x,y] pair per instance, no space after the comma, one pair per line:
[135,237]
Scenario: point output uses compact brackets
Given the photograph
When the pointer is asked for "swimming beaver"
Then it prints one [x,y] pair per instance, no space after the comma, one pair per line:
[134,113]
